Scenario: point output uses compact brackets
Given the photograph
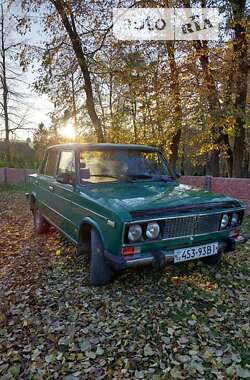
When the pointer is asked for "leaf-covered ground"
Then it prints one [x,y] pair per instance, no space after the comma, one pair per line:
[187,322]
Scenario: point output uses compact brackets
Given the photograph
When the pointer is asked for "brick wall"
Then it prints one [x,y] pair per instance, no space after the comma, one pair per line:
[14,176]
[193,181]
[2,174]
[238,188]
[233,187]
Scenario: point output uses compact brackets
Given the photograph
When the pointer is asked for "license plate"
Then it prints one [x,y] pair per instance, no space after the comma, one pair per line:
[192,253]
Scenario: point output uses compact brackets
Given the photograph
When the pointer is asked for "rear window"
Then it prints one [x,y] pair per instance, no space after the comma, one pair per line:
[51,163]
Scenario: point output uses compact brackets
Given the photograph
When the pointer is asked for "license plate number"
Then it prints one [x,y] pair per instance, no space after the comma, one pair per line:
[192,253]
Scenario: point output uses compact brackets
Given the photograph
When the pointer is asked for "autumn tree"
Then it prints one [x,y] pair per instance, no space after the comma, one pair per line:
[185,97]
[241,66]
[40,140]
[13,105]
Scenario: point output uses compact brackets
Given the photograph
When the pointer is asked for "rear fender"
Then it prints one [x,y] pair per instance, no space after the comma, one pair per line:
[32,200]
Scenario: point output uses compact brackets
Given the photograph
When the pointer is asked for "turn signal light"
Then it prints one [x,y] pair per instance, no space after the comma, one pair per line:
[235,234]
[130,251]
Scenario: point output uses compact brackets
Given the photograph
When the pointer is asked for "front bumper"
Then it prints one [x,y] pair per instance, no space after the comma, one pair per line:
[159,258]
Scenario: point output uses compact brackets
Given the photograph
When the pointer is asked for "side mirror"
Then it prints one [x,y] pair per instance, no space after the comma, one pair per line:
[177,174]
[84,173]
[66,178]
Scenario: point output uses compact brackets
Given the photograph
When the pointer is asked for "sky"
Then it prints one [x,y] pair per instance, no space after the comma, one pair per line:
[37,107]
[34,106]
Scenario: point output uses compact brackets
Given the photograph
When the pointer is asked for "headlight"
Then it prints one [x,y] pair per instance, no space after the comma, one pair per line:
[152,231]
[235,219]
[134,233]
[224,221]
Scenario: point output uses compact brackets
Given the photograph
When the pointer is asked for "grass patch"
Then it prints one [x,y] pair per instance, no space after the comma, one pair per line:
[246,225]
[14,188]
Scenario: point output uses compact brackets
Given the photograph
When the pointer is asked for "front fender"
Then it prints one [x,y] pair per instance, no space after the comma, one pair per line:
[91,222]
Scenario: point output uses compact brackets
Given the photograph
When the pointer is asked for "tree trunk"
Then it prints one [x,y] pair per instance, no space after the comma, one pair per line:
[175,92]
[213,167]
[70,27]
[133,111]
[218,137]
[5,90]
[74,104]
[111,95]
[226,107]
[246,164]
[240,48]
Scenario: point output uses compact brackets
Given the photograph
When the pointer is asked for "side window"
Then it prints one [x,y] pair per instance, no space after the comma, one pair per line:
[67,162]
[43,164]
[50,163]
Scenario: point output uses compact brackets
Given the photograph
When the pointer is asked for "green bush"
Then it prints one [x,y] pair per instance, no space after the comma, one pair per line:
[18,161]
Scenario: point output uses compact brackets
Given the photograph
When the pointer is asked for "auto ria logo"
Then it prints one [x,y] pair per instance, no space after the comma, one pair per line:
[166,23]
[196,25]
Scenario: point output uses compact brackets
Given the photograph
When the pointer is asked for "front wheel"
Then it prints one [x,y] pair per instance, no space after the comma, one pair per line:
[100,271]
[41,224]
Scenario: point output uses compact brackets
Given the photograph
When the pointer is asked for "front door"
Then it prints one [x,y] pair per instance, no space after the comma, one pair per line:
[63,193]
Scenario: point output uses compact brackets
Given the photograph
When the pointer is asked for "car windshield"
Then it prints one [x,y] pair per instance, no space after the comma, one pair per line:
[122,165]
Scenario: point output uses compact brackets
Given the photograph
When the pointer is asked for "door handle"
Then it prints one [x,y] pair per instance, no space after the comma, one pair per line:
[36,182]
[51,188]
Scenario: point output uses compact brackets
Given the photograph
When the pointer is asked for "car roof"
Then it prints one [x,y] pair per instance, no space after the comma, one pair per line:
[103,146]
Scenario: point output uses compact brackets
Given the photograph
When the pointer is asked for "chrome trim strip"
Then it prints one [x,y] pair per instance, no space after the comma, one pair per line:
[62,231]
[142,261]
[140,243]
[168,255]
[58,213]
[92,212]
[75,204]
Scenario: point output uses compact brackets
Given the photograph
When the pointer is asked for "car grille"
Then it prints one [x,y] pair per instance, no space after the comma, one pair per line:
[191,225]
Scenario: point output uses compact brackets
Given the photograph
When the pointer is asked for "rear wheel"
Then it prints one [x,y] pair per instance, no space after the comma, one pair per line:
[41,224]
[100,272]
[213,260]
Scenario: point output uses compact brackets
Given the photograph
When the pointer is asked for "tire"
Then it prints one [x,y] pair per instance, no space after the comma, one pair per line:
[100,271]
[40,223]
[213,260]
[83,249]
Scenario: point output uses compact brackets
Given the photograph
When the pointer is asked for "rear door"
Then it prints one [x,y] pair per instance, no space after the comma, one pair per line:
[46,183]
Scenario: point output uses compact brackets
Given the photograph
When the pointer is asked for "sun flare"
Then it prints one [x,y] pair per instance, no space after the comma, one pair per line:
[68,131]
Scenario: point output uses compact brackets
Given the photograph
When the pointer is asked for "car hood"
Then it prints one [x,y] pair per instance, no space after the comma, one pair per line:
[148,195]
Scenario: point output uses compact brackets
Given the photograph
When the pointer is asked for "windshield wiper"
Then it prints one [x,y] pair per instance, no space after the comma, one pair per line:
[131,177]
[139,176]
[163,178]
[120,178]
[159,177]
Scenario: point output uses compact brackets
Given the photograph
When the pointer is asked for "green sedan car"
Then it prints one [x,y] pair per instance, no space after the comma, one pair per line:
[123,206]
